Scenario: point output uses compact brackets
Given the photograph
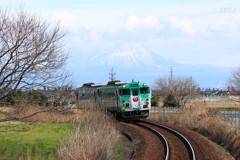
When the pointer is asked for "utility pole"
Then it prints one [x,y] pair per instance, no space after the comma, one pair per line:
[112,75]
[190,90]
[171,80]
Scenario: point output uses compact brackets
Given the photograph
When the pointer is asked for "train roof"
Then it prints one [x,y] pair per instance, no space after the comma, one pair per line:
[91,85]
[116,83]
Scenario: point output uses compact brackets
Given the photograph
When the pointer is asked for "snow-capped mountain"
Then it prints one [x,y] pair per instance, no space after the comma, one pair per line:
[133,61]
[123,55]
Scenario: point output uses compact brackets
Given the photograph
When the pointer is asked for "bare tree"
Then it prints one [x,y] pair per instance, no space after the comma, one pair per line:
[234,80]
[182,88]
[233,84]
[31,52]
[112,75]
[31,57]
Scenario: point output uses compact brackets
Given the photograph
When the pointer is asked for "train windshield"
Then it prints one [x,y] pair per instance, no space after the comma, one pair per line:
[124,92]
[134,92]
[144,90]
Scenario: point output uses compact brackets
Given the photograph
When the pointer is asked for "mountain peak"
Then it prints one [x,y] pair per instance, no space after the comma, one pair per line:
[124,46]
[121,54]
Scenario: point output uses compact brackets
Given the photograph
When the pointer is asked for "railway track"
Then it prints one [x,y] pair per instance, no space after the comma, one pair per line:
[171,149]
[148,145]
[161,137]
[160,142]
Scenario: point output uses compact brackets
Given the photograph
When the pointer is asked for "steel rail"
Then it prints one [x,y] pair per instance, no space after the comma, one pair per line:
[131,140]
[162,138]
[186,142]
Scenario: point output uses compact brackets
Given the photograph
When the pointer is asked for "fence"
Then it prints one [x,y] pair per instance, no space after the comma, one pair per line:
[218,99]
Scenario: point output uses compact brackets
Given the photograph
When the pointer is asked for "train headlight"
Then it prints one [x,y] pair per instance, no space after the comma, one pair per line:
[144,84]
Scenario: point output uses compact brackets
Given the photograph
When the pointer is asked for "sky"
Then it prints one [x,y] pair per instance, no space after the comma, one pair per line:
[191,32]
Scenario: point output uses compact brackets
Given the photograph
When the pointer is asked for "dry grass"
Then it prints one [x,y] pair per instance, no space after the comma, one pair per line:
[223,105]
[43,114]
[208,122]
[94,138]
[216,127]
[206,104]
[234,146]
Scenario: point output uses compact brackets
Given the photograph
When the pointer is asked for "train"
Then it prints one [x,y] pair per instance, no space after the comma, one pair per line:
[126,101]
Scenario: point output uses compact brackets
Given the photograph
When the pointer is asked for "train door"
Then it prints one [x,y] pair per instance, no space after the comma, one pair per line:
[135,99]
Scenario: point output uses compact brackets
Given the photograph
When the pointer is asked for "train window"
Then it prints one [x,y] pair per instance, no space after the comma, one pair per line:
[144,90]
[134,92]
[108,95]
[86,96]
[124,92]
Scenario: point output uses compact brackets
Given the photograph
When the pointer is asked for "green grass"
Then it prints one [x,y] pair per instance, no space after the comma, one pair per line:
[119,150]
[36,141]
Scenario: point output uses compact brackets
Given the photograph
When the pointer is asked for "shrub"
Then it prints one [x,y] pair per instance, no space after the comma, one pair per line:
[49,104]
[155,100]
[33,97]
[56,104]
[170,101]
[16,96]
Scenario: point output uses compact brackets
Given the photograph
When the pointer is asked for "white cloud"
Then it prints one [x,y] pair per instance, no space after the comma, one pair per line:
[224,25]
[218,26]
[64,15]
[67,19]
[184,24]
[146,22]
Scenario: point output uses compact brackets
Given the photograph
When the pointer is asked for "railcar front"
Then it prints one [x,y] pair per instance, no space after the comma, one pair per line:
[134,100]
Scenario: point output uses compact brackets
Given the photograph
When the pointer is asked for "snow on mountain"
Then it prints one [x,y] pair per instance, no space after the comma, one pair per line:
[133,61]
[122,54]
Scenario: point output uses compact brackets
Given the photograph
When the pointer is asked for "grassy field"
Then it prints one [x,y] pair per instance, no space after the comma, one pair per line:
[73,134]
[34,141]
